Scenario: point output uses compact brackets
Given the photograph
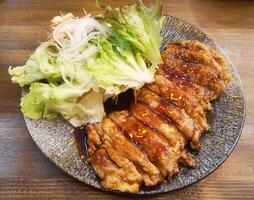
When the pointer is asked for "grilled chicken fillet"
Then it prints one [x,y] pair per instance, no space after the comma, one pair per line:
[146,143]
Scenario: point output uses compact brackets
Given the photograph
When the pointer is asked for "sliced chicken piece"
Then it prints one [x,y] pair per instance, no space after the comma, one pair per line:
[167,130]
[93,139]
[207,56]
[113,177]
[129,171]
[157,148]
[111,167]
[198,64]
[169,89]
[187,158]
[153,120]
[183,121]
[202,94]
[112,134]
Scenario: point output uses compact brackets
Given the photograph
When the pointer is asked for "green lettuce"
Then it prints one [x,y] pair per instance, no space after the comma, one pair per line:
[48,101]
[89,60]
[115,66]
[42,64]
[139,26]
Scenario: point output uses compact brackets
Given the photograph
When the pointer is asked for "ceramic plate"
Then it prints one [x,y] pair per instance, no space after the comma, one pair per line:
[57,141]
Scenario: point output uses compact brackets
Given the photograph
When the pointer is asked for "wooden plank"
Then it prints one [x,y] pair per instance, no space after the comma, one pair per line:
[25,173]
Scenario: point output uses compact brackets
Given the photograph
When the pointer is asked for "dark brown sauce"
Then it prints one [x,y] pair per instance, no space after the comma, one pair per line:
[81,142]
[124,100]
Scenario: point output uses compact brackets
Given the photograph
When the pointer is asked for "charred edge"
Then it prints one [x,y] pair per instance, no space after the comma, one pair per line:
[178,76]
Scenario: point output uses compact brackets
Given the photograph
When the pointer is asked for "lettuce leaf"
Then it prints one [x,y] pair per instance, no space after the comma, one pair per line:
[42,64]
[48,100]
[114,66]
[139,26]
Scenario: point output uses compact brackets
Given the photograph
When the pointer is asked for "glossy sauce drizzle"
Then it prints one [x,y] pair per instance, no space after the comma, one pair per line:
[81,142]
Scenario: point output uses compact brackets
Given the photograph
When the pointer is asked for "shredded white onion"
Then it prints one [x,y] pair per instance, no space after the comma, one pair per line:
[73,36]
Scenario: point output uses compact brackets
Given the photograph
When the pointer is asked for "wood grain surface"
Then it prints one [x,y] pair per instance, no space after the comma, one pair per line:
[25,173]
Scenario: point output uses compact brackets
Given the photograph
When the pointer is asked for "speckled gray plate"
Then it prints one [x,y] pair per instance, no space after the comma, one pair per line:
[56,139]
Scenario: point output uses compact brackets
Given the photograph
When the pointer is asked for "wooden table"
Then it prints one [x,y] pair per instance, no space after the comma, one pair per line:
[25,173]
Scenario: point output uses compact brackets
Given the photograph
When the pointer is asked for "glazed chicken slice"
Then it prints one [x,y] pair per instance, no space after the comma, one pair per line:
[156,147]
[189,88]
[197,63]
[153,120]
[206,55]
[150,173]
[167,130]
[171,90]
[113,177]
[126,167]
[109,165]
[93,137]
[191,130]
